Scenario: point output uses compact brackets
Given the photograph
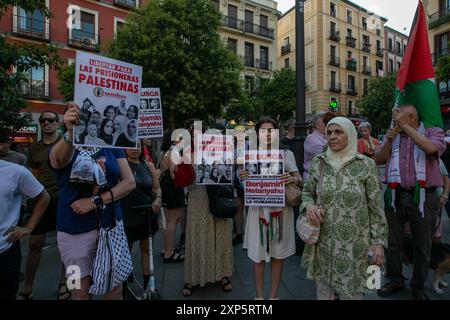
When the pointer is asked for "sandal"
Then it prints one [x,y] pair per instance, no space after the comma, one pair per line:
[65,294]
[224,283]
[24,296]
[187,290]
[174,258]
[175,249]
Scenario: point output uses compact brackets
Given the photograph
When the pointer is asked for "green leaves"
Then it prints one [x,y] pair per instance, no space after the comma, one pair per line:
[378,103]
[443,69]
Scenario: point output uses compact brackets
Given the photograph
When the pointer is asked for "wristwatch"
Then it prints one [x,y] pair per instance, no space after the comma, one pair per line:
[98,202]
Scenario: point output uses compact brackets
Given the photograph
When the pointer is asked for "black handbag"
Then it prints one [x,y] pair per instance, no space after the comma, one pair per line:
[221,201]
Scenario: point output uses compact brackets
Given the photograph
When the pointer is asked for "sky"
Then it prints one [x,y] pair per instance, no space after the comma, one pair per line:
[399,13]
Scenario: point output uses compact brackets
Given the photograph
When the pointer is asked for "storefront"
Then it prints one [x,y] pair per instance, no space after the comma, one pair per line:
[23,138]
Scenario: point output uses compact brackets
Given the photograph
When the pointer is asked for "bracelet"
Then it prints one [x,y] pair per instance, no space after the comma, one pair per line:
[67,140]
[112,195]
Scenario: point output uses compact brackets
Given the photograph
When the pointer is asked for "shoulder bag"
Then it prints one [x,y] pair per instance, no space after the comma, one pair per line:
[222,202]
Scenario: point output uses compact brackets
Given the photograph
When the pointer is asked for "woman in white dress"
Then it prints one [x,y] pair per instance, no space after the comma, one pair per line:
[269,232]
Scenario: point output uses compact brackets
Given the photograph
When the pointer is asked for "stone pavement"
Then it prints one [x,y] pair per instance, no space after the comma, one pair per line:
[169,277]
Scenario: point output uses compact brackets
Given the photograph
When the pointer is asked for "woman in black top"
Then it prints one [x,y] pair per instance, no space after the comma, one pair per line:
[136,216]
[107,131]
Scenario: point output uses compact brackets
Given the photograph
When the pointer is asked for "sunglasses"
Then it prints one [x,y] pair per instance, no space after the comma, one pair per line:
[49,120]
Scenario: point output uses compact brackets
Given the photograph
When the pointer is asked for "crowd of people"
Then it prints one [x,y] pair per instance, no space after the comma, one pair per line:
[78,191]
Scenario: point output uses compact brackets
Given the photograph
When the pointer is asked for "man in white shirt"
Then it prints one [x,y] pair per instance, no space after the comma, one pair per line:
[17,182]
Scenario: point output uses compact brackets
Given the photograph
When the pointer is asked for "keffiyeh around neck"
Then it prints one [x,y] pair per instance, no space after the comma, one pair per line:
[394,179]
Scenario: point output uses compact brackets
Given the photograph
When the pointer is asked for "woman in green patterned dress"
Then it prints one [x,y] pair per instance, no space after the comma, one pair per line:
[351,216]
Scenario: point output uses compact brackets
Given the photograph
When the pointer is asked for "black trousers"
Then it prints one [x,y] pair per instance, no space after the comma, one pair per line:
[9,272]
[422,230]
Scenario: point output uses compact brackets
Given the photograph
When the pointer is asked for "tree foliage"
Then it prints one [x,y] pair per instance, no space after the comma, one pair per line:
[15,62]
[443,69]
[66,77]
[277,97]
[378,103]
[178,45]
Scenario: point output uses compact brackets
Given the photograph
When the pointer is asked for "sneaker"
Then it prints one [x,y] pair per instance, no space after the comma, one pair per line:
[389,289]
[238,239]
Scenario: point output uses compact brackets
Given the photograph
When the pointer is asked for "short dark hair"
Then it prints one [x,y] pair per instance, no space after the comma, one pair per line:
[5,135]
[50,111]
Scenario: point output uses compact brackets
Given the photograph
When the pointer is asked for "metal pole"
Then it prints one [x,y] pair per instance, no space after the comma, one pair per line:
[301,125]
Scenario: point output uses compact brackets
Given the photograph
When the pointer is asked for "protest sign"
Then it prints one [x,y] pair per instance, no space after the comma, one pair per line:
[264,187]
[108,94]
[150,114]
[217,154]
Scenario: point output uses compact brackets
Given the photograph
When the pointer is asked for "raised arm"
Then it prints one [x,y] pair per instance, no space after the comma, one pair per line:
[62,153]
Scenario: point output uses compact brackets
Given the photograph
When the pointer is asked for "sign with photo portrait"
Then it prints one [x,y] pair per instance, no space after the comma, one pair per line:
[217,154]
[108,94]
[264,187]
[150,114]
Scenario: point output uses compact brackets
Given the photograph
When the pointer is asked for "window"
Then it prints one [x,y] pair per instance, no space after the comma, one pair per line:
[350,108]
[232,16]
[366,42]
[118,24]
[249,55]
[390,44]
[332,27]
[365,86]
[349,33]
[30,22]
[332,9]
[286,42]
[333,52]
[399,64]
[378,31]
[216,4]
[232,45]
[364,23]
[264,58]
[351,83]
[36,86]
[391,66]
[84,32]
[248,21]
[286,63]
[249,84]
[365,64]
[378,45]
[333,77]
[379,66]
[263,21]
[398,47]
[349,16]
[441,44]
[404,48]
[349,55]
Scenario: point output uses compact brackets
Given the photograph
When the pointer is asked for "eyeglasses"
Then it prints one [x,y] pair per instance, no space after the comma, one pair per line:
[49,120]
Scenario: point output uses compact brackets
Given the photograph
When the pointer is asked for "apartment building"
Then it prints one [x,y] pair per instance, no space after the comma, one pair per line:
[344,47]
[86,25]
[250,27]
[438,12]
[395,44]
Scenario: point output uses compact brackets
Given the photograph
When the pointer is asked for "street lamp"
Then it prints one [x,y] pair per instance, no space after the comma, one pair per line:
[300,125]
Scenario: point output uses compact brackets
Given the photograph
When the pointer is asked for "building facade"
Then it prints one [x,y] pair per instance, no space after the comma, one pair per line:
[250,28]
[344,47]
[395,44]
[86,25]
[438,12]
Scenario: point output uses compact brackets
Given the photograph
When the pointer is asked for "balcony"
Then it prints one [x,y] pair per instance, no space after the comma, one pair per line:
[263,65]
[84,40]
[35,89]
[334,61]
[30,28]
[379,32]
[351,42]
[438,18]
[365,47]
[334,36]
[352,91]
[248,27]
[380,52]
[439,54]
[367,70]
[285,49]
[335,87]
[249,62]
[128,4]
[351,65]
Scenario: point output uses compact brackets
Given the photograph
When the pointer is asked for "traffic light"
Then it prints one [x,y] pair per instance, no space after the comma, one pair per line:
[333,105]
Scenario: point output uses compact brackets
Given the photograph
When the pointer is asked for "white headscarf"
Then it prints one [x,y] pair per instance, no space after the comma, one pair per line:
[338,159]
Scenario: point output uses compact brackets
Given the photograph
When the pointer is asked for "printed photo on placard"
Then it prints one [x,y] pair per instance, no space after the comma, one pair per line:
[108,93]
[150,114]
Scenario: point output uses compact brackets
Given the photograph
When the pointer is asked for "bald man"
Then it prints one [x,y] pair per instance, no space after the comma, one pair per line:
[432,143]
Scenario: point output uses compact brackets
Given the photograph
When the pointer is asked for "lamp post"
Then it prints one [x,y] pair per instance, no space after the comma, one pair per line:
[300,125]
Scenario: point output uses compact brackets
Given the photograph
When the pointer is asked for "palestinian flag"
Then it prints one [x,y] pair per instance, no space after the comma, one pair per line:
[415,80]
